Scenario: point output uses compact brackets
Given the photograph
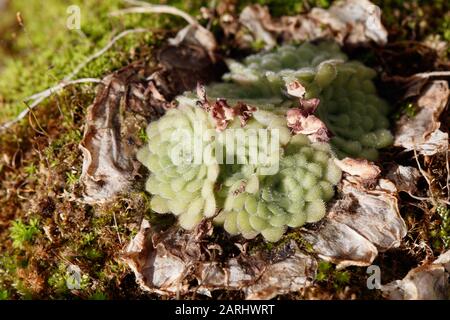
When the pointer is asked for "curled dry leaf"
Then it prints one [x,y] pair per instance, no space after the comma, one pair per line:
[363,19]
[362,168]
[110,138]
[427,282]
[301,122]
[413,85]
[296,89]
[195,34]
[359,225]
[258,21]
[162,261]
[350,21]
[421,132]
[289,275]
[244,112]
[405,178]
[222,112]
[340,244]
[308,106]
[444,259]
[167,262]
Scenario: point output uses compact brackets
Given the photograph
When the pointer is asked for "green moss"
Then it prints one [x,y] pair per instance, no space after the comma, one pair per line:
[98,295]
[72,178]
[324,271]
[329,275]
[21,232]
[143,136]
[410,109]
[341,279]
[440,234]
[4,294]
[30,169]
[43,51]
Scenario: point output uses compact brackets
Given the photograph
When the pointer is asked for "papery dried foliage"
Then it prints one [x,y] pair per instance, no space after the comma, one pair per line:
[421,132]
[308,125]
[359,225]
[167,262]
[352,22]
[427,282]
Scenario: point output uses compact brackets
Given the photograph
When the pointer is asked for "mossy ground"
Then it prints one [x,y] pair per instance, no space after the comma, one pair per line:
[44,230]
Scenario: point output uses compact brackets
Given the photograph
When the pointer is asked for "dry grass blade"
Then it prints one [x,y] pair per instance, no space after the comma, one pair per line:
[103,50]
[143,7]
[39,97]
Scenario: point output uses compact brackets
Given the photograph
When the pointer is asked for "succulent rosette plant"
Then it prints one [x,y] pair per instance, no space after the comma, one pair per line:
[254,177]
[244,166]
[295,195]
[179,182]
[349,105]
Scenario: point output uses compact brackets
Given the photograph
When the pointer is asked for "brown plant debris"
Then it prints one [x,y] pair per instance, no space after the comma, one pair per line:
[421,132]
[361,223]
[222,112]
[404,177]
[301,121]
[427,282]
[350,21]
[166,262]
[362,168]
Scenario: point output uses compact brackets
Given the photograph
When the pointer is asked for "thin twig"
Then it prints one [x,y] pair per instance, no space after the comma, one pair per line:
[419,198]
[420,168]
[103,50]
[424,174]
[41,130]
[91,58]
[432,74]
[144,7]
[39,97]
[117,228]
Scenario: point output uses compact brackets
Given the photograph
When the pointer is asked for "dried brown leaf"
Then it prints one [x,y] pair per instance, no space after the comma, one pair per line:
[197,35]
[362,168]
[351,21]
[162,261]
[427,282]
[361,223]
[405,178]
[301,122]
[109,143]
[165,262]
[421,132]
